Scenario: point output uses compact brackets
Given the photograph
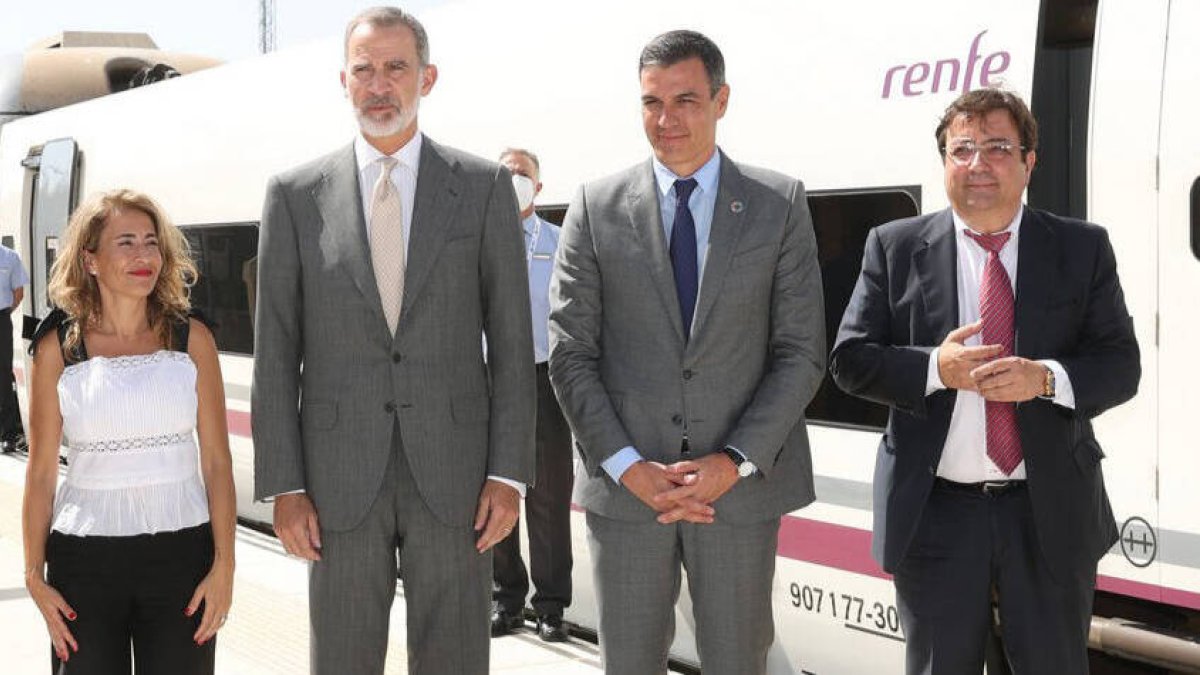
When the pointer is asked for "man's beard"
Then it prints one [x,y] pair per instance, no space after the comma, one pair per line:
[377,128]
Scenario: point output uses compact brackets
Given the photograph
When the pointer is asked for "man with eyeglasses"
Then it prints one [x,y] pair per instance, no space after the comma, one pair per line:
[994,332]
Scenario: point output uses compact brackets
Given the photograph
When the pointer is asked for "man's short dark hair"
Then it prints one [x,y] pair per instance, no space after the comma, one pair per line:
[680,45]
[981,102]
[387,17]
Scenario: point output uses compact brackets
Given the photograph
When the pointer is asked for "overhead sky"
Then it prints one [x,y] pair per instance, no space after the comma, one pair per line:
[225,29]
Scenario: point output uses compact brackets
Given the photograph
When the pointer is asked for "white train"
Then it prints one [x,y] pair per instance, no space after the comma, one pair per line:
[844,95]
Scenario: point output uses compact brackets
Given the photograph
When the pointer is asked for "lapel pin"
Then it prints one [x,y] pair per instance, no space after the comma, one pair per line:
[736,206]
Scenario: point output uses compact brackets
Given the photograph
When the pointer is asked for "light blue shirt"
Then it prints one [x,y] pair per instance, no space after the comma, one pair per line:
[541,241]
[701,203]
[12,276]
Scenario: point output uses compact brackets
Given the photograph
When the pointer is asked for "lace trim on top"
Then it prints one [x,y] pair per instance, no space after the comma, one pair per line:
[131,361]
[140,443]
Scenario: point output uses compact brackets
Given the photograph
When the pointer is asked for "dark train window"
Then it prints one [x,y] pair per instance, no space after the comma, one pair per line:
[553,213]
[841,220]
[227,258]
[1196,218]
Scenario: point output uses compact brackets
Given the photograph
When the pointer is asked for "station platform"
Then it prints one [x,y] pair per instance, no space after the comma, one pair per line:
[267,631]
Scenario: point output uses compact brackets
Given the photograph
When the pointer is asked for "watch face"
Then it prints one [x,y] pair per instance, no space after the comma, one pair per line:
[745,469]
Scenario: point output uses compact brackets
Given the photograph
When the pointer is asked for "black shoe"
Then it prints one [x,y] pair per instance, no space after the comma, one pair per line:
[7,447]
[551,629]
[505,622]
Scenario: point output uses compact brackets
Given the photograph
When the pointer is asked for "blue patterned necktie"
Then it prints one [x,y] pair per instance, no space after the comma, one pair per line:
[683,253]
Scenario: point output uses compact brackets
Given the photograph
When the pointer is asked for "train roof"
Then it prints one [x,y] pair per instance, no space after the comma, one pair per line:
[75,66]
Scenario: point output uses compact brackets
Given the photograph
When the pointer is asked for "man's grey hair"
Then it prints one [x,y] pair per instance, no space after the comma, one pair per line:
[522,151]
[680,45]
[387,17]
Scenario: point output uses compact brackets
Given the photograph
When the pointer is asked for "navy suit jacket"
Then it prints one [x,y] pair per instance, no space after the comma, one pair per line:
[1069,307]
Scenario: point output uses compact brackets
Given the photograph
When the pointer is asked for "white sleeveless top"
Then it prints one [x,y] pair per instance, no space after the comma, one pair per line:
[133,466]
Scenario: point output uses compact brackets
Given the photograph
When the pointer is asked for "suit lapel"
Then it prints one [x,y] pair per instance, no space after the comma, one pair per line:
[936,262]
[339,202]
[645,218]
[722,238]
[1036,252]
[438,189]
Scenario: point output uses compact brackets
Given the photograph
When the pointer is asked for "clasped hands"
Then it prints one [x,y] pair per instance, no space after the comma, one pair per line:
[982,369]
[683,490]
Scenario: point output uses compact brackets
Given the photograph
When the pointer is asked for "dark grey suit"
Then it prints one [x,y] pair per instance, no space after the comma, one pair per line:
[393,434]
[1069,307]
[626,376]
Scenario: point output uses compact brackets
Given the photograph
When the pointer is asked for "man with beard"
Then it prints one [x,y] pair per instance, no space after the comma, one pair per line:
[378,428]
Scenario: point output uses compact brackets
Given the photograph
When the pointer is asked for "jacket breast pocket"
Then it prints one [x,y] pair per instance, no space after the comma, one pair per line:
[756,256]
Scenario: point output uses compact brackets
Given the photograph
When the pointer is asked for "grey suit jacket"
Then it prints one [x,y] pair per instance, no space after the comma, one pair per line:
[623,371]
[330,381]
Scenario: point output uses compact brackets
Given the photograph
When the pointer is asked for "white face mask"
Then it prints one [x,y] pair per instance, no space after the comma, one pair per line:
[523,185]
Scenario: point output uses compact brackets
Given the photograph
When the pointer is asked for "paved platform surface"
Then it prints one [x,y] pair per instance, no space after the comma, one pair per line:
[267,631]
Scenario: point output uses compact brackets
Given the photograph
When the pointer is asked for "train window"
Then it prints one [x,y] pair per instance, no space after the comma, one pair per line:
[841,220]
[553,213]
[226,255]
[1196,218]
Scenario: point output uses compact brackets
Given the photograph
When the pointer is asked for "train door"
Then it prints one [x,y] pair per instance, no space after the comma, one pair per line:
[1179,318]
[1123,196]
[54,187]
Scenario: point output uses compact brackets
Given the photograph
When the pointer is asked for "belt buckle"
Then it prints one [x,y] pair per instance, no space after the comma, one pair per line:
[994,487]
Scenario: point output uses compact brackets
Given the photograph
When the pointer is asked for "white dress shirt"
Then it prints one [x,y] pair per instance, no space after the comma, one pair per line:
[964,456]
[404,178]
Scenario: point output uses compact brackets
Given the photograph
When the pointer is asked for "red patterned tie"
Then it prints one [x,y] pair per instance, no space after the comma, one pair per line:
[996,310]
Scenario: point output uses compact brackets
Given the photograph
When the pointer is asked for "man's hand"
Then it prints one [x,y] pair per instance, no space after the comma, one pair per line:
[297,527]
[499,507]
[649,480]
[956,361]
[1011,379]
[704,480]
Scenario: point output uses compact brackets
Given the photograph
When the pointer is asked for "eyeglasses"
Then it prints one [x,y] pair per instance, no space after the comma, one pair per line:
[964,152]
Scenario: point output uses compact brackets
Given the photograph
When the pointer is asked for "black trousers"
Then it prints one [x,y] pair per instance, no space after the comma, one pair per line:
[548,512]
[10,414]
[967,546]
[133,590]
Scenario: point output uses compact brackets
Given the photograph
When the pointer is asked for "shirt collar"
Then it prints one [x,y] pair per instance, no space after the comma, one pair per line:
[530,223]
[409,155]
[962,228]
[706,176]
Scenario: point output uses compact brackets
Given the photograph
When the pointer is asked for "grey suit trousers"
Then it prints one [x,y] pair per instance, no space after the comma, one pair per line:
[446,587]
[730,571]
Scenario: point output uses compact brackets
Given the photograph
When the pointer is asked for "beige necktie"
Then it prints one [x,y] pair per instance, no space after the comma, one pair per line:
[387,243]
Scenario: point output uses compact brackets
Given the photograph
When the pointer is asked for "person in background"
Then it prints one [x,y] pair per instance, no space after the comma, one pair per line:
[994,332]
[548,500]
[13,279]
[136,547]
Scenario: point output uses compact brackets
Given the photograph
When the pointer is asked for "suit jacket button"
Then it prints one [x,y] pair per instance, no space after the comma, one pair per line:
[677,419]
[687,374]
[389,407]
[397,357]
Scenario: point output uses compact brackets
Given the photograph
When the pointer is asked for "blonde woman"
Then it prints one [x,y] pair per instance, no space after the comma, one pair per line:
[135,551]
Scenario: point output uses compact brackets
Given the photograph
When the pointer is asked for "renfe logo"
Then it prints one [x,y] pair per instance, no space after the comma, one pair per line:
[917,74]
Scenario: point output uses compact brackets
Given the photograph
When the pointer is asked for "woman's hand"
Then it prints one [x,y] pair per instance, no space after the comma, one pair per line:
[216,592]
[56,612]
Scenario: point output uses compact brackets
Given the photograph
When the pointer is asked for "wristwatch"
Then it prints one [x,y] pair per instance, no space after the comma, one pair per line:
[745,467]
[1048,384]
